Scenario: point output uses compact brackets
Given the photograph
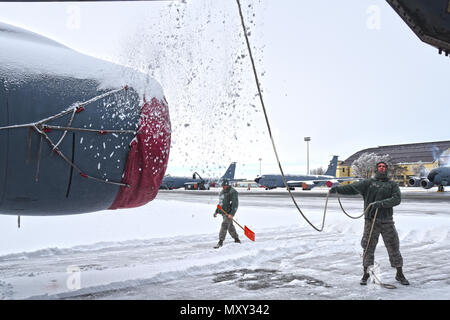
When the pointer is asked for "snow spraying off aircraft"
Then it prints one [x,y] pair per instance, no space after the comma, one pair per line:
[77,134]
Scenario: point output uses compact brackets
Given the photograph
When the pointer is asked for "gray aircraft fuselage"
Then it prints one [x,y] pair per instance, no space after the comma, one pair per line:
[177,182]
[271,181]
[439,176]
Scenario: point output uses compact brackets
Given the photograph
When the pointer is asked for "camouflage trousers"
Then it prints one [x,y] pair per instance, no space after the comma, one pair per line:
[227,225]
[390,238]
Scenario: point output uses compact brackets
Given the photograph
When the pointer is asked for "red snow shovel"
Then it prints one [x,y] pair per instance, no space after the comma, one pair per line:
[249,233]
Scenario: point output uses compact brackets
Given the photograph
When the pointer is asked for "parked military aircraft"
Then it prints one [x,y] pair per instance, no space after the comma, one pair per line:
[307,182]
[196,182]
[439,177]
[77,134]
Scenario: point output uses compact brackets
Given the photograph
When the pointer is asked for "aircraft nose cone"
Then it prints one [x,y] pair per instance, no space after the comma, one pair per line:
[257,179]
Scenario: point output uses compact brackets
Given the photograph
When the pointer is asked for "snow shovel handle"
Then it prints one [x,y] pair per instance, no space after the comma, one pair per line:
[229,216]
[249,233]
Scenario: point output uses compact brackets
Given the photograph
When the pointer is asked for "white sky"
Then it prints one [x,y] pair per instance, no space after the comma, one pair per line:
[349,74]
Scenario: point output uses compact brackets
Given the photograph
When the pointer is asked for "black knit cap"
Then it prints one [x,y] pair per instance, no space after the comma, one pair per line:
[381,162]
[225,182]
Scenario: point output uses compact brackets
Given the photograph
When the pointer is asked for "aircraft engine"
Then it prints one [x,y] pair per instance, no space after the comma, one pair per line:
[77,134]
[414,182]
[332,183]
[426,184]
[307,186]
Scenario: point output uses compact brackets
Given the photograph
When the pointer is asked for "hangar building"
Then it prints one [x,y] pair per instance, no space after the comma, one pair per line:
[409,157]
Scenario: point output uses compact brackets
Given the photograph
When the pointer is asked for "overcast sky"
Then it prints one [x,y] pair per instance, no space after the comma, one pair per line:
[349,74]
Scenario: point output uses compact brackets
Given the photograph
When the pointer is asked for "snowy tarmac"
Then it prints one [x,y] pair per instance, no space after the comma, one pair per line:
[164,250]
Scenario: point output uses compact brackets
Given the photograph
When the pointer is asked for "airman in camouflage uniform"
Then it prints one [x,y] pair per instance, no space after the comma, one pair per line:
[384,194]
[228,200]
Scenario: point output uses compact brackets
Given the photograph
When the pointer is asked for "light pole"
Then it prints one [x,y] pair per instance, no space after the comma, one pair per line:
[307,139]
[260,166]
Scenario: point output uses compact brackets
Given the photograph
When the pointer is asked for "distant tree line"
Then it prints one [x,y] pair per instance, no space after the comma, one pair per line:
[317,171]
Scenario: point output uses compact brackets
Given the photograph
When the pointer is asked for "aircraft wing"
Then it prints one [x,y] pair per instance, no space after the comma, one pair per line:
[427,19]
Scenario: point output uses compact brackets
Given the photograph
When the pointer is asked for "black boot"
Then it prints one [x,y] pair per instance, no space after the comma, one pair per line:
[219,244]
[237,240]
[365,277]
[400,277]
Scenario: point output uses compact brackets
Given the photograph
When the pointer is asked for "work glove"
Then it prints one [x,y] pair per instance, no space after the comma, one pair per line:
[333,189]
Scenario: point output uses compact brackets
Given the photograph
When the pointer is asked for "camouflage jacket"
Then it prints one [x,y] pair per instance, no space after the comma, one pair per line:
[228,200]
[384,191]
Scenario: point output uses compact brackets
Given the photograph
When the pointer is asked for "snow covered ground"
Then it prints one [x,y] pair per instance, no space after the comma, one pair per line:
[164,250]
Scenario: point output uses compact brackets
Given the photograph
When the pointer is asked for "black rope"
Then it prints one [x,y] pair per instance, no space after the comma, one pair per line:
[71,167]
[388,286]
[40,127]
[268,124]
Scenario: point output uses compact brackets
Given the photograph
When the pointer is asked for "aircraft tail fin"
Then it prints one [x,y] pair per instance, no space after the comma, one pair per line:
[229,174]
[331,171]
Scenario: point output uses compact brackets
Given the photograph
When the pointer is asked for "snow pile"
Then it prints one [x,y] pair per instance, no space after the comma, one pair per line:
[24,54]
